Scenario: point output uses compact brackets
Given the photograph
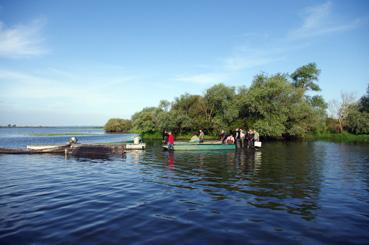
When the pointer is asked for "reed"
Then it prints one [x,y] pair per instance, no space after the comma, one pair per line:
[340,137]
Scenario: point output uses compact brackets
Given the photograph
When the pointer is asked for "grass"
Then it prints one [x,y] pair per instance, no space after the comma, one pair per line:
[340,137]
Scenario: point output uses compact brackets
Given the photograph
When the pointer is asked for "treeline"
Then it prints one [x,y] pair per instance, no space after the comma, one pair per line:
[278,105]
[351,115]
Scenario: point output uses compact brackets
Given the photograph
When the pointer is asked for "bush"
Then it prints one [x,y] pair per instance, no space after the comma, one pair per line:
[358,122]
[118,125]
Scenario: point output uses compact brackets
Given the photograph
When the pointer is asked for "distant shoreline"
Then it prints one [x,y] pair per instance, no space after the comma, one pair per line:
[97,127]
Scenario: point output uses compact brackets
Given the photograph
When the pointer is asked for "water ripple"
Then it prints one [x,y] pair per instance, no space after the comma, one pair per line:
[319,195]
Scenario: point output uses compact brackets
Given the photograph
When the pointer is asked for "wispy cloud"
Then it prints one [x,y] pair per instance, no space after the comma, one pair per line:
[318,21]
[23,40]
[260,49]
[242,60]
[64,91]
[202,78]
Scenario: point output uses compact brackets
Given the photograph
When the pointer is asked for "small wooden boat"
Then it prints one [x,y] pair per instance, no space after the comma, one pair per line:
[77,149]
[35,149]
[48,148]
[201,146]
[17,151]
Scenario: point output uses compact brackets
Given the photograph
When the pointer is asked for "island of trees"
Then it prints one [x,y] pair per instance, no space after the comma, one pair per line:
[277,106]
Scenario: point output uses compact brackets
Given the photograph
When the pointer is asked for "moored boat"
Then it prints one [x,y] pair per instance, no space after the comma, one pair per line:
[48,148]
[201,146]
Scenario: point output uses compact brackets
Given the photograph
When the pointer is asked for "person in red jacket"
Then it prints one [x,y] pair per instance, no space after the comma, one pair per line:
[170,141]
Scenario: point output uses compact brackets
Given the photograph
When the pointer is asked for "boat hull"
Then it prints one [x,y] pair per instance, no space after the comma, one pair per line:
[197,147]
[48,148]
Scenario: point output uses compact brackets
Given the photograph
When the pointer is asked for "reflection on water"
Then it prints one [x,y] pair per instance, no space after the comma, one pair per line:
[171,160]
[315,192]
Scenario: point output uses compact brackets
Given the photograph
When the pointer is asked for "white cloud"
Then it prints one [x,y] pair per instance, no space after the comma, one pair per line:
[22,40]
[242,61]
[318,21]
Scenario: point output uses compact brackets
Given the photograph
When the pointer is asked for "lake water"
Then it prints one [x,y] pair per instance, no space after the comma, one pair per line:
[300,192]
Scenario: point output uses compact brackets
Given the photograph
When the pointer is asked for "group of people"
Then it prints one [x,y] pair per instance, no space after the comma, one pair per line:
[198,139]
[240,137]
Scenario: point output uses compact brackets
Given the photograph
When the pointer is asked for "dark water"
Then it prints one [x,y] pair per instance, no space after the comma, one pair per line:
[309,193]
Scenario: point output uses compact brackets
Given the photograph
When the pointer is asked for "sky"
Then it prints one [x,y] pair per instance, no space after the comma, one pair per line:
[81,62]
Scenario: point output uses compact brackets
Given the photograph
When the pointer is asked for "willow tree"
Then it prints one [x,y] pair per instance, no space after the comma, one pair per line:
[277,107]
[222,108]
[118,125]
[145,121]
[306,77]
[265,104]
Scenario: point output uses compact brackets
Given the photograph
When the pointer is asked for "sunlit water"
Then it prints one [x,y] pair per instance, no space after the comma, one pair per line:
[312,192]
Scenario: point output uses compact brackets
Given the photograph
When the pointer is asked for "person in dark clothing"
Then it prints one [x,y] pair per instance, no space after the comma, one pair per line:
[250,138]
[237,137]
[165,137]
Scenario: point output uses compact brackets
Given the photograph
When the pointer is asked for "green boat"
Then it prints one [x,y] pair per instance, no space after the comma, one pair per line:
[201,146]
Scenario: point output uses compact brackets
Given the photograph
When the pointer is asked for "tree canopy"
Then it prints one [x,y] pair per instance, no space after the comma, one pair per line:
[274,105]
[277,105]
[118,125]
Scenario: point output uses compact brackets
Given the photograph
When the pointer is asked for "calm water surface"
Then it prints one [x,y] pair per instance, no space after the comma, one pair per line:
[309,193]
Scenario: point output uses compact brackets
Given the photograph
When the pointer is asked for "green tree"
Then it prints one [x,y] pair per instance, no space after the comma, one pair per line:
[357,121]
[275,105]
[306,77]
[118,125]
[364,102]
[221,106]
[189,112]
[145,121]
[265,104]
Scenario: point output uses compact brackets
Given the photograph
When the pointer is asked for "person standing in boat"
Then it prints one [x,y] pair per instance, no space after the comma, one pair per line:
[250,138]
[165,137]
[237,138]
[242,136]
[222,136]
[201,136]
[256,136]
[170,141]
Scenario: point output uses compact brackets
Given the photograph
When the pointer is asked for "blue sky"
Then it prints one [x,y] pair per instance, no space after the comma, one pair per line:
[83,62]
